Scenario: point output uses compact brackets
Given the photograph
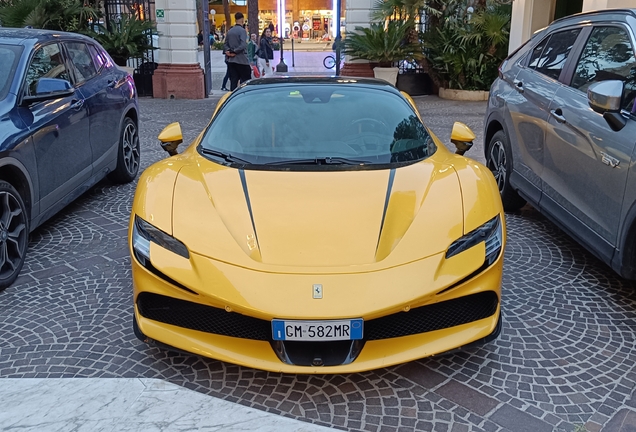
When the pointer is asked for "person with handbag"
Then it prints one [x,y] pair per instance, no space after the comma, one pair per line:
[265,53]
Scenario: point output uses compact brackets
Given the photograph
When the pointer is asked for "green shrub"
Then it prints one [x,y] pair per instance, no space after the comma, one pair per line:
[465,53]
[126,38]
[383,46]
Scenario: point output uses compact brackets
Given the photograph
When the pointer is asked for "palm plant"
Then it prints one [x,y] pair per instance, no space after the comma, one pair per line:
[126,38]
[64,15]
[383,44]
[400,10]
[464,53]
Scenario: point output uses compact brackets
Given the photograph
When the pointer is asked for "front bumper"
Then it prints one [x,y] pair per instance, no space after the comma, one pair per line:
[384,351]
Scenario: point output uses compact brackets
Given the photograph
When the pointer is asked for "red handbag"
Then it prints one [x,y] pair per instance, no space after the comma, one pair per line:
[256,72]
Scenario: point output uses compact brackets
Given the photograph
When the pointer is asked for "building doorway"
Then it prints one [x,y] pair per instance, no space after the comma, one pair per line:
[567,7]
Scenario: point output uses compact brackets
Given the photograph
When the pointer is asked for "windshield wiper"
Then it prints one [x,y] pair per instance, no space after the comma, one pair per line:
[320,161]
[225,156]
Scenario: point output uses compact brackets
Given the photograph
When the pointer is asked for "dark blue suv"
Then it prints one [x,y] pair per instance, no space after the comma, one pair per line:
[68,118]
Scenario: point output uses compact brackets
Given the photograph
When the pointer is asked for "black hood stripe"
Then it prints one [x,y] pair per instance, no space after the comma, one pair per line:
[389,188]
[249,204]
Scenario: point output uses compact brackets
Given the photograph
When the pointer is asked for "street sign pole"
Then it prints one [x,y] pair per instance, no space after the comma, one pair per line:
[338,40]
[207,67]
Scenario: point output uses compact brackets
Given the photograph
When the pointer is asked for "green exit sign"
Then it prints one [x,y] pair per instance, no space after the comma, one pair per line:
[160,14]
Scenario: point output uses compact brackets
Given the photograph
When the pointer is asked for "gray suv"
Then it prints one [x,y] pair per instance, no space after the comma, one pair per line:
[560,131]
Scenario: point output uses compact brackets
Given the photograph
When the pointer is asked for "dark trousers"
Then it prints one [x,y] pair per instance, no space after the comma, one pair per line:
[238,72]
[226,77]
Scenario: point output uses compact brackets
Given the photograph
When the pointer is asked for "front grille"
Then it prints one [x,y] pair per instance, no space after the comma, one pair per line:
[437,316]
[317,353]
[209,319]
[203,318]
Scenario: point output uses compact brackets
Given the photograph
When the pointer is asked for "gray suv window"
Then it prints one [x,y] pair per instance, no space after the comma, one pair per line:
[548,58]
[608,55]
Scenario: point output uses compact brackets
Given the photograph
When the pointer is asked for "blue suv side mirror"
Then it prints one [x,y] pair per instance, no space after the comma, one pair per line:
[48,89]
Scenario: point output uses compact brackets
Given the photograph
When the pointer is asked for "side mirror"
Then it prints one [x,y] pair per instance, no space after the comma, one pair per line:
[462,136]
[605,98]
[48,89]
[170,138]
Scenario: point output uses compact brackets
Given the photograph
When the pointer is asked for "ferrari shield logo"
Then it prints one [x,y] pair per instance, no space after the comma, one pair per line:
[317,291]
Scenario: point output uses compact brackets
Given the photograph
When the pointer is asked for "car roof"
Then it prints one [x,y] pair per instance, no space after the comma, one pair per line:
[601,15]
[319,80]
[24,36]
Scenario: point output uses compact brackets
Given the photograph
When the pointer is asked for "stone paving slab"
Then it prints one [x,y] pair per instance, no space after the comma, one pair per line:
[564,361]
[127,404]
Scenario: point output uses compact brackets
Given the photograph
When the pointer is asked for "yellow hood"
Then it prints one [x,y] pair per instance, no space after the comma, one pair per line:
[298,221]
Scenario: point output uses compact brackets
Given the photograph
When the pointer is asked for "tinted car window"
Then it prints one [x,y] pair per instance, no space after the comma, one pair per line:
[9,56]
[81,61]
[47,62]
[608,55]
[99,58]
[280,124]
[550,55]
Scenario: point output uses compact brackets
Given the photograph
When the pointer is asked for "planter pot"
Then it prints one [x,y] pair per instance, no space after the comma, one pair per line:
[463,95]
[387,74]
[415,84]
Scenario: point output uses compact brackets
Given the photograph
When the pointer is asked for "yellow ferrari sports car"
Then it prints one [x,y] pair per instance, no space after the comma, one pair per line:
[316,226]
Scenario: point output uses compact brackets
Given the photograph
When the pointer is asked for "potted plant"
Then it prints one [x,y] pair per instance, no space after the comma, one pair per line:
[385,45]
[128,37]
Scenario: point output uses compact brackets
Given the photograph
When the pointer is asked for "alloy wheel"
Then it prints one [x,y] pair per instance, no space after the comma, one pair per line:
[497,163]
[130,148]
[13,235]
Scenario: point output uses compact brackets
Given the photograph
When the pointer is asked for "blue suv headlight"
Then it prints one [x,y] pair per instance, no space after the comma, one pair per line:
[491,232]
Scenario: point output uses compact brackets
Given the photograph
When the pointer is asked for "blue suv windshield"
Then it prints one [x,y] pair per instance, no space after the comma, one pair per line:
[9,55]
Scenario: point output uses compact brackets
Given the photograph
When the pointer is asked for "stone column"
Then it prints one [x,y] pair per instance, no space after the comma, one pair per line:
[179,74]
[357,15]
[529,16]
[589,5]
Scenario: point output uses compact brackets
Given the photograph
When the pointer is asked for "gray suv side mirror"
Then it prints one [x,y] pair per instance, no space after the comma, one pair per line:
[605,98]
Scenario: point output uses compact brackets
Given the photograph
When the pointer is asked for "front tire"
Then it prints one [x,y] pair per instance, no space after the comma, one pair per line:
[14,234]
[499,161]
[127,153]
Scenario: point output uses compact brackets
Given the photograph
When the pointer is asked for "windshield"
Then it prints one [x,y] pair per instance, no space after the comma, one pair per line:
[317,125]
[9,55]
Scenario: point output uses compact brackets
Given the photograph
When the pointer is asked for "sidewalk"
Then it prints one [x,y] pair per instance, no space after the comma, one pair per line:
[307,62]
[127,404]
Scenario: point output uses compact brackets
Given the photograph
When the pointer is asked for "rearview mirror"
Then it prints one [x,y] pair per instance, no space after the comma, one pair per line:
[49,89]
[462,136]
[170,138]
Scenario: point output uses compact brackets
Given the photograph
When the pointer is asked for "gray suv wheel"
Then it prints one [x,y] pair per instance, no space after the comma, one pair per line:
[499,161]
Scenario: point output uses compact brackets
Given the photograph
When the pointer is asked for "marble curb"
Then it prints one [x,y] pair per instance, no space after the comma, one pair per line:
[463,95]
[127,404]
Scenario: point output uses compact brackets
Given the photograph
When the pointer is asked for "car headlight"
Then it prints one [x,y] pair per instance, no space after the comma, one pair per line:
[491,232]
[144,233]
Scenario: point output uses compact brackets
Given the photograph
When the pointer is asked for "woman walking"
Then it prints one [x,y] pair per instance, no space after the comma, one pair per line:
[265,53]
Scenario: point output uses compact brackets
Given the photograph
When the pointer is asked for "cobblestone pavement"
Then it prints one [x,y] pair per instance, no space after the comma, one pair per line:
[564,360]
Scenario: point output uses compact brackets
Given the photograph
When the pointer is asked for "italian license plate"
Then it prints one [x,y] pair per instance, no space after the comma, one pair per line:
[333,330]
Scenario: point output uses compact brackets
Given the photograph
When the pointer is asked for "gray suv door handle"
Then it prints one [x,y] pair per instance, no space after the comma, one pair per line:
[518,85]
[558,115]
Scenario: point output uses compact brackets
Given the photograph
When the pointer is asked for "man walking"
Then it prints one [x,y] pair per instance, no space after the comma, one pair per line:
[235,48]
